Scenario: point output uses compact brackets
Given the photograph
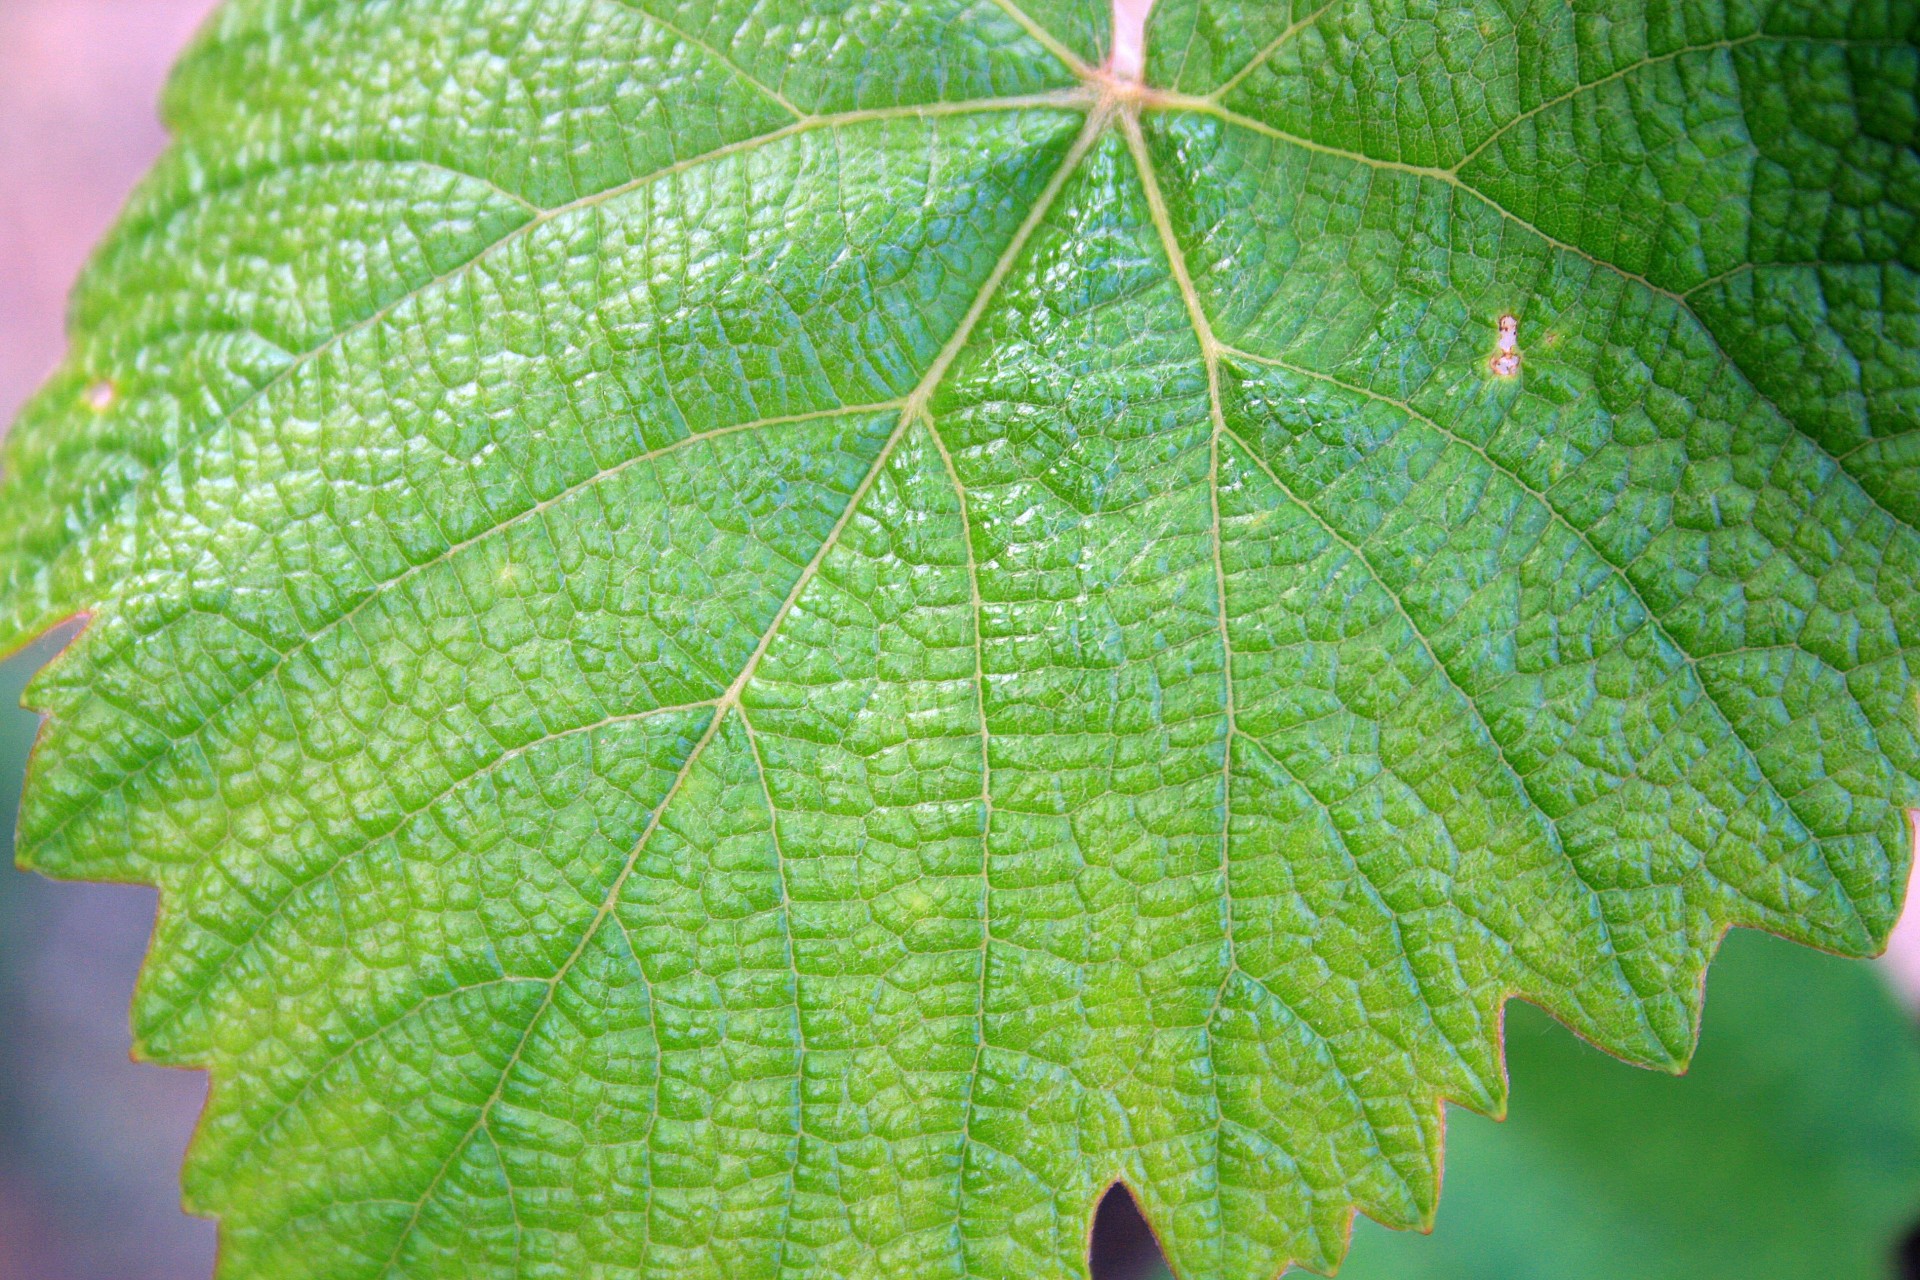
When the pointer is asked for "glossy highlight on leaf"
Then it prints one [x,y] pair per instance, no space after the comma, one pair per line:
[767,638]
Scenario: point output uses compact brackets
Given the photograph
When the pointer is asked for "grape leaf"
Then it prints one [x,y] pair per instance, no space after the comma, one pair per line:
[761,637]
[1791,1148]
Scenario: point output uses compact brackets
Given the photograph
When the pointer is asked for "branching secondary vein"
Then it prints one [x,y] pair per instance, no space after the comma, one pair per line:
[915,407]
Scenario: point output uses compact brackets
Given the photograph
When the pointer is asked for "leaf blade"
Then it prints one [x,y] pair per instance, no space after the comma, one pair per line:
[1039,611]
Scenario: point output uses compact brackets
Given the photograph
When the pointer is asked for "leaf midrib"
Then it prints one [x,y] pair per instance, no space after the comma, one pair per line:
[1211,350]
[915,407]
[1088,97]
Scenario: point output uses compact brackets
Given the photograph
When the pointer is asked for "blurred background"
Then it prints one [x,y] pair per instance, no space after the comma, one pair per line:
[90,1143]
[1792,1150]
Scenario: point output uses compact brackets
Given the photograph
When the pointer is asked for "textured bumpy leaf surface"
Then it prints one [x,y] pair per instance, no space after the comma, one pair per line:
[1791,1147]
[777,638]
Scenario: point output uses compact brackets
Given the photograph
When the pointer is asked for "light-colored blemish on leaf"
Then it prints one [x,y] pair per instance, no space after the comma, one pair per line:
[1506,349]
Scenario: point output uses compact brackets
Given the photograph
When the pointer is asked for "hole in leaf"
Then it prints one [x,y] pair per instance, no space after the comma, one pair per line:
[1506,357]
[1906,1256]
[1123,1247]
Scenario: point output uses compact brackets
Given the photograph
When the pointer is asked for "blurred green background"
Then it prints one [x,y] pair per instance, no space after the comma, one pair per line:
[1791,1148]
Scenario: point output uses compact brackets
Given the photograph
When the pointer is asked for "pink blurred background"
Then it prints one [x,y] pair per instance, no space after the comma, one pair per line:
[90,1143]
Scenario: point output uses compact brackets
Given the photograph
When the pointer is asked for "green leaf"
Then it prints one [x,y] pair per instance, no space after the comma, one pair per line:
[779,638]
[1791,1148]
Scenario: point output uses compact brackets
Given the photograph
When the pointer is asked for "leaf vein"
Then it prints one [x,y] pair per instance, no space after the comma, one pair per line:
[731,700]
[385,588]
[1274,46]
[725,59]
[293,888]
[1618,571]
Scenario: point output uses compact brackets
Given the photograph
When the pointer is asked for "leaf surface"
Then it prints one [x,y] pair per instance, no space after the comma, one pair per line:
[768,639]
